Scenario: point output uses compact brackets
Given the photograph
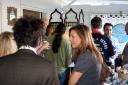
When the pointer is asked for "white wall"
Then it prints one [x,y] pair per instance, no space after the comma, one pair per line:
[0,17]
[48,6]
[5,4]
[92,10]
[20,5]
[71,17]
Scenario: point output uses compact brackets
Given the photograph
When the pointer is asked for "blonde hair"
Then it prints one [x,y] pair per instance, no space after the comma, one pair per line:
[87,42]
[7,44]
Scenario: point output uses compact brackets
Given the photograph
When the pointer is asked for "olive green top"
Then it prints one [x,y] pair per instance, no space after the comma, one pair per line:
[60,58]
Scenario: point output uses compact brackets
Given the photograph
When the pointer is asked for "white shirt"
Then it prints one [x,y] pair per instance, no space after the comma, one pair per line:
[29,47]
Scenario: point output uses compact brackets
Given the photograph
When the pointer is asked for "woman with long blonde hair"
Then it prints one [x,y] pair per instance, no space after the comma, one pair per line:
[87,57]
[7,44]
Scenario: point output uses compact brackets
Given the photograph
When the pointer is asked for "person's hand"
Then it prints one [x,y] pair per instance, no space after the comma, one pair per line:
[43,46]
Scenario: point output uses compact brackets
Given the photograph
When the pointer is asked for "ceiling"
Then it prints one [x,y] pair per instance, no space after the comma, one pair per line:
[94,2]
[97,6]
[81,2]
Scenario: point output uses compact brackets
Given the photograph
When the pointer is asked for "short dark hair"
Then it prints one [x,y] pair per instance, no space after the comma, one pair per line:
[107,24]
[96,22]
[27,31]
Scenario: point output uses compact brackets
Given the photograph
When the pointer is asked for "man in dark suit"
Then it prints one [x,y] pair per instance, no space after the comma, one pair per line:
[26,67]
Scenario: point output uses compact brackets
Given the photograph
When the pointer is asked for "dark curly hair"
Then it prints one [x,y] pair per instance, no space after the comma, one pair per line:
[27,31]
[59,31]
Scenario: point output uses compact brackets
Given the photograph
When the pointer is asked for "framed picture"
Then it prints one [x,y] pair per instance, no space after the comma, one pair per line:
[11,15]
[32,13]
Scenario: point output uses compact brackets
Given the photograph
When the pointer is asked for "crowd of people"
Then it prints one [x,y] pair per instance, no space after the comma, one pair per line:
[36,53]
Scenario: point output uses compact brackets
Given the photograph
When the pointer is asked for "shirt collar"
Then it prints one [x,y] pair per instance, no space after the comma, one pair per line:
[29,48]
[97,31]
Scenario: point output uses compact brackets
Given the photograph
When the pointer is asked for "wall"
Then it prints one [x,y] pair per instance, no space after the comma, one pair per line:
[20,5]
[5,4]
[92,10]
[48,6]
[0,17]
[71,16]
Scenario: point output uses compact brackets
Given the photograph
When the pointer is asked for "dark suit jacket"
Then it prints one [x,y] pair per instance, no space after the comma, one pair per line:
[26,68]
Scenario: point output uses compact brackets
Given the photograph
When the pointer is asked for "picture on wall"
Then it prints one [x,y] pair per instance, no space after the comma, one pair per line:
[11,15]
[32,13]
